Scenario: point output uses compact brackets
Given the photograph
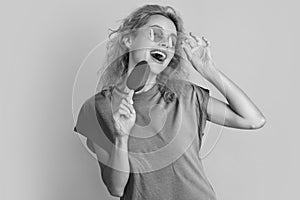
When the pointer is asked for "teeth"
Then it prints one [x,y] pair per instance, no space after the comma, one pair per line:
[161,56]
[159,52]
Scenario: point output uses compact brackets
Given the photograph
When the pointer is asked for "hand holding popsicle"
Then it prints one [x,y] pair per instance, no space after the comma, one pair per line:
[124,116]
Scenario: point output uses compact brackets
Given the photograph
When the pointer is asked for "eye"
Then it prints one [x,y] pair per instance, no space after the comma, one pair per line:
[158,34]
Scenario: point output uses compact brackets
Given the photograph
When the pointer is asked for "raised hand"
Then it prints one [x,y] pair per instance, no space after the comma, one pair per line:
[197,51]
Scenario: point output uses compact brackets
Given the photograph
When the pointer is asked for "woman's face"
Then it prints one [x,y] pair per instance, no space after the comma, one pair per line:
[156,46]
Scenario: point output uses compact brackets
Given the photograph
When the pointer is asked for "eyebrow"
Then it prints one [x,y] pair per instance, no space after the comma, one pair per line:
[157,26]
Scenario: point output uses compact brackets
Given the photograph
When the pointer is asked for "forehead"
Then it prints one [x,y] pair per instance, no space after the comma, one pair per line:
[163,22]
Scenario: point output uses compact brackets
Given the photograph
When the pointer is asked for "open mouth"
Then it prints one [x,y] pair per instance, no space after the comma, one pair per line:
[158,55]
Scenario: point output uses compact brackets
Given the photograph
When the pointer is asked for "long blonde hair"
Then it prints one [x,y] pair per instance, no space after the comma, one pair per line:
[115,66]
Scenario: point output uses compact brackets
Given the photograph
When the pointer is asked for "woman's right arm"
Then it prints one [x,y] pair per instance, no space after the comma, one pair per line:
[115,172]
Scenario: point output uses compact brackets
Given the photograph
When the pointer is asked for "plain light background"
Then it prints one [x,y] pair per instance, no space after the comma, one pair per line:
[43,44]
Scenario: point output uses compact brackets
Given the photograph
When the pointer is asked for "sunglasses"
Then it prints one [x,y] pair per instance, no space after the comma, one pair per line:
[156,34]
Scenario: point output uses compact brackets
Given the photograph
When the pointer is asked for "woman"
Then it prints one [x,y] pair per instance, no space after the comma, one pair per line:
[147,142]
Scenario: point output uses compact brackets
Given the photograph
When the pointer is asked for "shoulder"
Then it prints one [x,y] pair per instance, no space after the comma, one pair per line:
[181,87]
[97,100]
[189,90]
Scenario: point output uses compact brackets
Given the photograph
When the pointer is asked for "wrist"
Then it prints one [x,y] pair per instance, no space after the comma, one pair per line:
[121,141]
[212,73]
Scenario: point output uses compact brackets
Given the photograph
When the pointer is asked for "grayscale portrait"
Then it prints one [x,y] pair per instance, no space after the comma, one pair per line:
[149,100]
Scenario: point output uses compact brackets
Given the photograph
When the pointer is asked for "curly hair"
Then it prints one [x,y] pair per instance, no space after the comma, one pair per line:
[115,66]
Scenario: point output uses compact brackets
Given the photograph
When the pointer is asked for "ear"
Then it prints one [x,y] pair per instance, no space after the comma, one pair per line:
[127,40]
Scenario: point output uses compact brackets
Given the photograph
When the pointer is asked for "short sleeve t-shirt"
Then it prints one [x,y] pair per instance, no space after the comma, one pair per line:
[164,143]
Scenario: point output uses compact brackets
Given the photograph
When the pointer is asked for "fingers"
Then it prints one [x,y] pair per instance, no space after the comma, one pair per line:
[196,38]
[124,112]
[128,106]
[130,95]
[189,42]
[187,49]
[207,43]
[190,49]
[200,41]
[125,108]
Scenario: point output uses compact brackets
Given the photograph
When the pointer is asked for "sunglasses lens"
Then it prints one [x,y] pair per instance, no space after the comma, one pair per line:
[151,34]
[173,41]
[157,35]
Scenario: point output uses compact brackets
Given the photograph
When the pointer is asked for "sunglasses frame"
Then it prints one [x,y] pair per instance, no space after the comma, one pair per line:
[152,37]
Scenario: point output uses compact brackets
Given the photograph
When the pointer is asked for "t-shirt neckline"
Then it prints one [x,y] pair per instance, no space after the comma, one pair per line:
[136,96]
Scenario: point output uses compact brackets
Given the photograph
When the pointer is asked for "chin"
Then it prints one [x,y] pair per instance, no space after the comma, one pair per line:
[157,68]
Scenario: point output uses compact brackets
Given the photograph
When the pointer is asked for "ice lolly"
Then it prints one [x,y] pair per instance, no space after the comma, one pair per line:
[138,76]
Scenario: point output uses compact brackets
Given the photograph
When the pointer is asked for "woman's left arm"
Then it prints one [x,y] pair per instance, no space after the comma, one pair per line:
[240,112]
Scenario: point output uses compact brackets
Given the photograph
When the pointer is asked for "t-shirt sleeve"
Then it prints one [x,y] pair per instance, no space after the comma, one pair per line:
[202,95]
[90,125]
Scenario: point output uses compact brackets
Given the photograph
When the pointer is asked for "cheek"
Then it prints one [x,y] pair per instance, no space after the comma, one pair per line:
[141,43]
[170,57]
[138,55]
